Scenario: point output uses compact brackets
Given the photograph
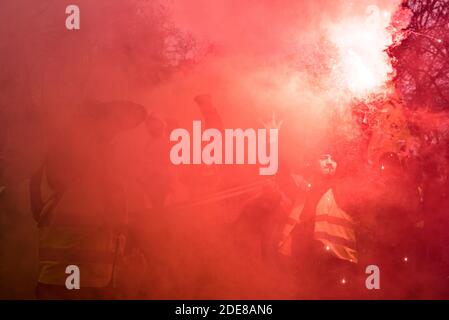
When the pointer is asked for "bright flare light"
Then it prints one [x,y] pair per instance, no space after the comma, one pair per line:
[363,66]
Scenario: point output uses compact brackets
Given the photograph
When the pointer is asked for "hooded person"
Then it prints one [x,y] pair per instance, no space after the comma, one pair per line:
[319,235]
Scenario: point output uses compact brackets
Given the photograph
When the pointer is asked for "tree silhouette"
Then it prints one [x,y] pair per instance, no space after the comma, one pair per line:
[421,60]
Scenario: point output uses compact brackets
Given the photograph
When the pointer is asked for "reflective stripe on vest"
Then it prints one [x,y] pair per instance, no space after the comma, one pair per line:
[76,256]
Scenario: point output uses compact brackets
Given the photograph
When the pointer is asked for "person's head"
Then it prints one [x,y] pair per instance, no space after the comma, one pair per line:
[327,165]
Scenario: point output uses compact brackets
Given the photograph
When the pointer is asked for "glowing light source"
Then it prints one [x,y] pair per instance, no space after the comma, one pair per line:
[363,66]
[328,248]
[405,259]
[343,281]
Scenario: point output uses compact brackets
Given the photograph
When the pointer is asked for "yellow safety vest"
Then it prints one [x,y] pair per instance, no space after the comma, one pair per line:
[333,227]
[83,226]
